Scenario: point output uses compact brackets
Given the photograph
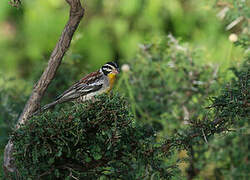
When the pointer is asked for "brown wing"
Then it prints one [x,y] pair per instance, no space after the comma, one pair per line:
[83,86]
[90,78]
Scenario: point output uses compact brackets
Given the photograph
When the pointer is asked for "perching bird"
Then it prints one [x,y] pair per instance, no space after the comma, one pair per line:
[92,84]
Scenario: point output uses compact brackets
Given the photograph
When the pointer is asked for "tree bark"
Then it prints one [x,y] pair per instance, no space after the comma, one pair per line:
[76,14]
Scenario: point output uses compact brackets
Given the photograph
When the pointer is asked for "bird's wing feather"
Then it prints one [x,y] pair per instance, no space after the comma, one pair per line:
[91,78]
[68,90]
[80,90]
[84,86]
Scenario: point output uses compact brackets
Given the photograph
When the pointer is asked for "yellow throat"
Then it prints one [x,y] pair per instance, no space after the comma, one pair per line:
[112,78]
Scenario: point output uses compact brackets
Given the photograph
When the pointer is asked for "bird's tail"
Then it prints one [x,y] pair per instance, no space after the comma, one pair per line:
[50,105]
[46,107]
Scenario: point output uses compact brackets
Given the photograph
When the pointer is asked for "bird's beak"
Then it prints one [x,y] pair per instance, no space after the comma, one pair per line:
[115,71]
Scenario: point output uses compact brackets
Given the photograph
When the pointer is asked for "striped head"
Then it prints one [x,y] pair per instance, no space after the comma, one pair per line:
[110,68]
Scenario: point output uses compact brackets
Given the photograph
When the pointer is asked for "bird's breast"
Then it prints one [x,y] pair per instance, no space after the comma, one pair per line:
[111,78]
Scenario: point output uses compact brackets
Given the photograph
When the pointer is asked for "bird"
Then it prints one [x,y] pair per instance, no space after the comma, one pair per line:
[92,84]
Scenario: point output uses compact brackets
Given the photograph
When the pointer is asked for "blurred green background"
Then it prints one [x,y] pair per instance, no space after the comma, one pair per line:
[110,30]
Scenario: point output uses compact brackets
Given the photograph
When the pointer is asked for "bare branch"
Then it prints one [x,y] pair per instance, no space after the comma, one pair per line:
[76,14]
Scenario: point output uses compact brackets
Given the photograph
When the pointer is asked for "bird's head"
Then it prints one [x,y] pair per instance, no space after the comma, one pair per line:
[110,69]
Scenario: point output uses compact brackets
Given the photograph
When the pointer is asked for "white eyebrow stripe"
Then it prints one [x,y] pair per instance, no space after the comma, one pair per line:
[112,67]
[106,69]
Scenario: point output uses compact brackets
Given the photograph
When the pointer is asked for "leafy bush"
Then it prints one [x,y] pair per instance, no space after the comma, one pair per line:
[168,84]
[92,140]
[101,140]
[227,155]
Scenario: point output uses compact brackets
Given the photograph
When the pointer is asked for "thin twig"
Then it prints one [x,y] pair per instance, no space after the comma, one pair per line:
[204,135]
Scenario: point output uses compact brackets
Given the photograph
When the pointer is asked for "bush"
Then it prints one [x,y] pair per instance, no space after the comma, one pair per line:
[92,140]
[168,85]
[227,154]
[169,88]
[101,140]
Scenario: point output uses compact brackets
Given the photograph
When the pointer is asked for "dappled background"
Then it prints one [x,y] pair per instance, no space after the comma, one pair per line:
[110,30]
[178,55]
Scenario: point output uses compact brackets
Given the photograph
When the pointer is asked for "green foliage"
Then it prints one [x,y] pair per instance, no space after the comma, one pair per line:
[233,104]
[229,153]
[100,140]
[220,140]
[237,20]
[7,107]
[230,109]
[11,105]
[97,139]
[110,30]
[233,160]
[167,84]
[238,8]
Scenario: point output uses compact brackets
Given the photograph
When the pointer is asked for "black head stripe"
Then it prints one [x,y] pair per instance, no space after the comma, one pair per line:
[113,64]
[108,67]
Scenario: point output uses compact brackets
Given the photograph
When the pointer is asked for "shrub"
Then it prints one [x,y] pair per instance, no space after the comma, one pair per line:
[227,155]
[101,140]
[168,85]
[97,139]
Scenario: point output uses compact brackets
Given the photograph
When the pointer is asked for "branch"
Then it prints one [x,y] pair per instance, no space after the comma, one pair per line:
[76,14]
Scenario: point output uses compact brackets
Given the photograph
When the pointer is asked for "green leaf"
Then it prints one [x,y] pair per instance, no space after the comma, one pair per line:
[87,159]
[97,156]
